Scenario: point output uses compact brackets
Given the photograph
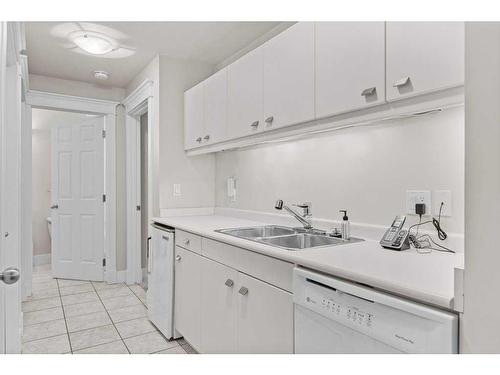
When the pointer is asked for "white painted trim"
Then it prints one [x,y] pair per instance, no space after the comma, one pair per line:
[48,100]
[107,108]
[137,103]
[166,212]
[117,277]
[41,259]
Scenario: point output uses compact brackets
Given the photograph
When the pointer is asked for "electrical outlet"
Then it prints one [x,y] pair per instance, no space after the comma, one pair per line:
[445,197]
[177,190]
[418,196]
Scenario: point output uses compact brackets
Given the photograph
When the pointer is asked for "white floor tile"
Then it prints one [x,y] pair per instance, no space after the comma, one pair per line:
[73,299]
[148,343]
[83,308]
[175,350]
[104,285]
[128,313]
[134,327]
[64,283]
[44,330]
[75,289]
[93,337]
[41,304]
[114,292]
[120,302]
[42,316]
[43,293]
[52,284]
[87,321]
[51,345]
[115,347]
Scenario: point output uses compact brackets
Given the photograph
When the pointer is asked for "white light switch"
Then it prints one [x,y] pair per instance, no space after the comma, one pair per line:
[445,197]
[177,190]
[418,196]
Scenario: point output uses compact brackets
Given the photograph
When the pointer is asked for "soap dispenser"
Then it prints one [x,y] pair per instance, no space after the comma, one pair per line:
[345,230]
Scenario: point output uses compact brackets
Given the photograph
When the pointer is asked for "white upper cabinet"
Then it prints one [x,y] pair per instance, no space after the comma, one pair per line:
[194,116]
[423,57]
[350,66]
[215,108]
[289,77]
[244,87]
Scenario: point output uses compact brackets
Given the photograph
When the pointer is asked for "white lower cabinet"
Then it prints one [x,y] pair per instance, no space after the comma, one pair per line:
[221,310]
[187,307]
[265,318]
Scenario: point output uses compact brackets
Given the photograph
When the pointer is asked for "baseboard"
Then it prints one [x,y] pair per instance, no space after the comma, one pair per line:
[115,276]
[41,259]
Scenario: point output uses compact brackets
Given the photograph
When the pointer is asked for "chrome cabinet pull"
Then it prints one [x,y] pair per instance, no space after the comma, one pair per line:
[229,283]
[254,124]
[54,207]
[207,137]
[369,91]
[269,120]
[186,242]
[198,139]
[178,258]
[10,275]
[401,82]
[243,291]
[166,238]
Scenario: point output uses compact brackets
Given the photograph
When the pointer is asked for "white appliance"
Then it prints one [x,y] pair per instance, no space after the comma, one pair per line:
[336,316]
[160,294]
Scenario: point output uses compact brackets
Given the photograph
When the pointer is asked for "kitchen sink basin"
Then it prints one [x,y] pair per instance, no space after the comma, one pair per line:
[287,238]
[255,232]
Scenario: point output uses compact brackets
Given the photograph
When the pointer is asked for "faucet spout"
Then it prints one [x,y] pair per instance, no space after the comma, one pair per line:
[279,206]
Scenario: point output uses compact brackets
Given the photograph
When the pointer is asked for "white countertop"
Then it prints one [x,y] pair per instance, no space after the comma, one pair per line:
[423,277]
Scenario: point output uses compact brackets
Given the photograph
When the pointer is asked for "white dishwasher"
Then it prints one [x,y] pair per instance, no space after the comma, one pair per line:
[337,316]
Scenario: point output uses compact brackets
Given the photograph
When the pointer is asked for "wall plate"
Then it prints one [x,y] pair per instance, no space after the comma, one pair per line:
[445,197]
[418,196]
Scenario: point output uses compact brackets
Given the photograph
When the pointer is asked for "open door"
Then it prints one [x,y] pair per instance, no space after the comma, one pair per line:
[78,200]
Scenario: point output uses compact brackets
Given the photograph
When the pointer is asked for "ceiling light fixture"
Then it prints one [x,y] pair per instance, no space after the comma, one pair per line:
[101,75]
[92,42]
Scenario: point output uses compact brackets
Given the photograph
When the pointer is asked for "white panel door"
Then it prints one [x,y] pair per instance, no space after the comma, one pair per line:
[423,57]
[244,95]
[265,317]
[218,307]
[289,77]
[77,193]
[194,116]
[215,102]
[350,66]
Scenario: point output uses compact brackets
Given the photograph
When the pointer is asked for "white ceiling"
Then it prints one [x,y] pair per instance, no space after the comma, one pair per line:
[50,53]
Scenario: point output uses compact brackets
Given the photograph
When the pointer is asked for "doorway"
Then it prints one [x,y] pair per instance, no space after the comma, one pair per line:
[145,238]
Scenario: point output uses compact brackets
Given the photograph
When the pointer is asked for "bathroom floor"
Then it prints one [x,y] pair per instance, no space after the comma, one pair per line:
[74,316]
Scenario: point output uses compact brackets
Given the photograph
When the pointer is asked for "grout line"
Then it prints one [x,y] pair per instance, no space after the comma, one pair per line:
[93,346]
[43,338]
[112,322]
[137,295]
[64,316]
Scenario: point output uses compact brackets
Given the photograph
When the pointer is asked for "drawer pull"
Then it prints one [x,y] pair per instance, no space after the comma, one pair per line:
[198,139]
[178,258]
[207,137]
[369,91]
[186,242]
[229,283]
[402,82]
[254,124]
[243,291]
[269,120]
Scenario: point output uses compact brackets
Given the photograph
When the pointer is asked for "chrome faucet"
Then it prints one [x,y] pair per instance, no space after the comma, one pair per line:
[306,208]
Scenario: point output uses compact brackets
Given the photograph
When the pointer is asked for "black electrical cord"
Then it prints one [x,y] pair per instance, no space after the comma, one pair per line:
[437,224]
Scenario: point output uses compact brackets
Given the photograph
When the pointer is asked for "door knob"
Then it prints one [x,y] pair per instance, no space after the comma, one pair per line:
[10,275]
[54,206]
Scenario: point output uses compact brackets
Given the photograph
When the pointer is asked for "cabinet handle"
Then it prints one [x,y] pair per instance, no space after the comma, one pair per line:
[269,120]
[165,238]
[207,137]
[254,124]
[198,139]
[186,241]
[243,291]
[178,258]
[229,283]
[401,82]
[369,91]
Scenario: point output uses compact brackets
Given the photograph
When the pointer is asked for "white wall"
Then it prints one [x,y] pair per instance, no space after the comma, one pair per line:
[365,170]
[42,122]
[480,324]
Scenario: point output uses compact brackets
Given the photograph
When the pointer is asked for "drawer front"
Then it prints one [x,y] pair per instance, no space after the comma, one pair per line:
[188,241]
[270,270]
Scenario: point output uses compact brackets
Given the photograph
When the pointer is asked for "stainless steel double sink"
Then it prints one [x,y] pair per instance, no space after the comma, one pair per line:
[286,237]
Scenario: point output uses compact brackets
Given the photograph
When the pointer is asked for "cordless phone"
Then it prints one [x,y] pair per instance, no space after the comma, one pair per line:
[395,237]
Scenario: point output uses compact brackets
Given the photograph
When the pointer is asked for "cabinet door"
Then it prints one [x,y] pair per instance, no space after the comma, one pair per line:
[244,87]
[289,77]
[215,108]
[350,66]
[188,295]
[194,116]
[218,307]
[265,317]
[423,57]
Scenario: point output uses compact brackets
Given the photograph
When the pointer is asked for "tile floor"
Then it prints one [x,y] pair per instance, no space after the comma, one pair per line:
[73,316]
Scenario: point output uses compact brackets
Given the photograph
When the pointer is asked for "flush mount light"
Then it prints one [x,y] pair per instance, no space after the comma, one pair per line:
[101,75]
[92,42]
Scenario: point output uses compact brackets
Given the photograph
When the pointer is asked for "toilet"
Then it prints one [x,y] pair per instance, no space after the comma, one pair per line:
[49,226]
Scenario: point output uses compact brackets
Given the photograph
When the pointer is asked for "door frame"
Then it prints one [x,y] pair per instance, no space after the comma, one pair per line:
[139,102]
[107,108]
